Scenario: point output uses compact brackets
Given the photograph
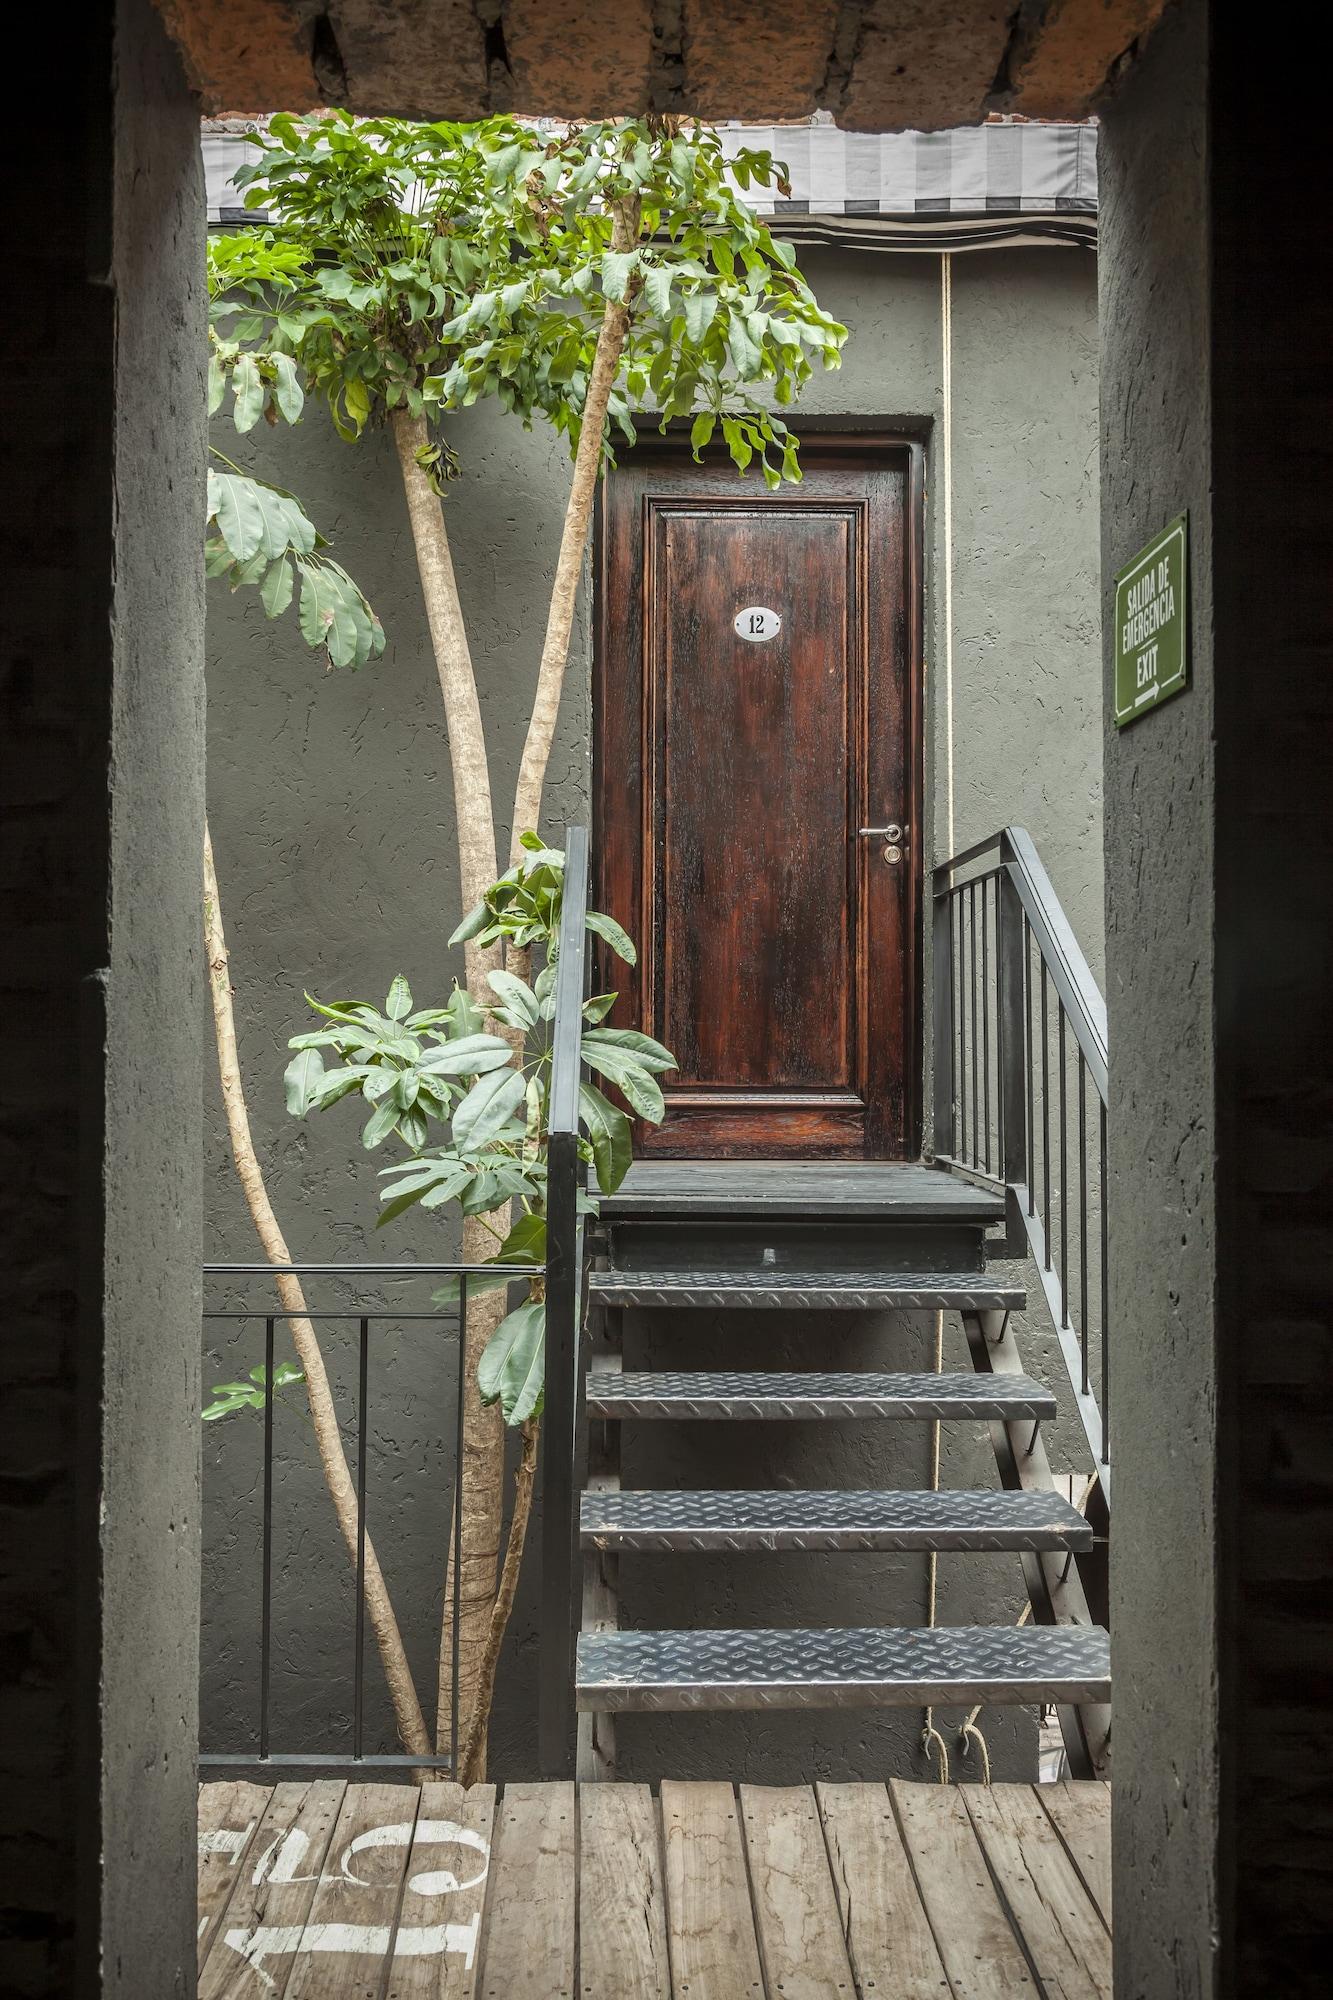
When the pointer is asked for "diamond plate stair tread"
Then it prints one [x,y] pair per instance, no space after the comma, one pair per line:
[847,1668]
[799,1519]
[849,1290]
[759,1395]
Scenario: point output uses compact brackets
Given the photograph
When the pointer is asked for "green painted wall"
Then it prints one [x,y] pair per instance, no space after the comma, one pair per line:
[332,820]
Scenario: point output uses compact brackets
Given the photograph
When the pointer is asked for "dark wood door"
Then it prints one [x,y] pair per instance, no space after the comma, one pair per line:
[757,698]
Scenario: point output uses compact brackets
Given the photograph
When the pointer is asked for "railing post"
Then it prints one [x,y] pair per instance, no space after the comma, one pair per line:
[942,1025]
[556,1727]
[1013,1053]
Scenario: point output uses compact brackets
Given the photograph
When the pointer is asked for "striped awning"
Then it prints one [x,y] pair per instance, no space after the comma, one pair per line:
[979,187]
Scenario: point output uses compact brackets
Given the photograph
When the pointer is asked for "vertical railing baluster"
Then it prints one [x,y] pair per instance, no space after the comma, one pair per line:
[942,1025]
[1045,1118]
[972,996]
[1064,1174]
[1106,1317]
[1010,971]
[1029,1058]
[1083,1216]
[961,963]
[985,1021]
[359,1683]
[455,1637]
[266,1597]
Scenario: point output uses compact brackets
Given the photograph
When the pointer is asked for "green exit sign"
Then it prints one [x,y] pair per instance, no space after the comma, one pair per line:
[1152,659]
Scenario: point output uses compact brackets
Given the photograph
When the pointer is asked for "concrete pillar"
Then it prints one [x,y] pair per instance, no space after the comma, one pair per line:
[1215,337]
[100,1011]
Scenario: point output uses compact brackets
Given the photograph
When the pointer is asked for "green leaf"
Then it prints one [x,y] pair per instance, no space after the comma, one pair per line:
[276,590]
[657,290]
[608,1130]
[639,1087]
[620,941]
[615,271]
[475,920]
[511,1370]
[490,1103]
[701,430]
[287,391]
[249,405]
[648,1053]
[519,998]
[380,1123]
[466,1017]
[470,1055]
[301,1079]
[399,1003]
[599,1006]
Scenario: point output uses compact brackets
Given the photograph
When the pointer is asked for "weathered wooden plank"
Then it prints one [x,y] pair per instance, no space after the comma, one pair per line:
[251,1952]
[982,1957]
[1081,1813]
[622,1905]
[349,1932]
[889,1939]
[710,1924]
[795,1908]
[229,1815]
[528,1943]
[1066,1939]
[437,1946]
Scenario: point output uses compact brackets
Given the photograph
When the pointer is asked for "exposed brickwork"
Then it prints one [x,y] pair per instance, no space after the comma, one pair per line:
[245,55]
[879,65]
[774,51]
[924,67]
[595,57]
[418,62]
[1062,63]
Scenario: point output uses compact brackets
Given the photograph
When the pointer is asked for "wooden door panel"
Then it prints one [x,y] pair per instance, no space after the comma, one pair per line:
[778,950]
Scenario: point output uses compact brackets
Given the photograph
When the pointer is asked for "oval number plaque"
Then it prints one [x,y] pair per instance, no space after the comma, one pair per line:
[757,622]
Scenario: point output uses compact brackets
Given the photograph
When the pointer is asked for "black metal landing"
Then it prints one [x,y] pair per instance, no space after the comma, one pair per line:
[832,1190]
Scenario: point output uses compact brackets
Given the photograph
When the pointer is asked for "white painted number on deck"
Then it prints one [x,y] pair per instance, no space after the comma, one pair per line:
[757,622]
[281,1861]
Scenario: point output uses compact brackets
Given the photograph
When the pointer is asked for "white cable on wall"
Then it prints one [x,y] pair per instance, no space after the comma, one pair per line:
[946,453]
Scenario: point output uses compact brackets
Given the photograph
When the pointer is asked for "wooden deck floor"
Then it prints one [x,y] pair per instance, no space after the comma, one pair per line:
[325,1891]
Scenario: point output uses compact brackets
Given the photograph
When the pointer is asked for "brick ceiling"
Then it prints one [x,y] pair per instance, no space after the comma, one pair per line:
[877,65]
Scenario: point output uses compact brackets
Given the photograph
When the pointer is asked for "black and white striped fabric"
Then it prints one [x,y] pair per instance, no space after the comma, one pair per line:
[978,187]
[970,188]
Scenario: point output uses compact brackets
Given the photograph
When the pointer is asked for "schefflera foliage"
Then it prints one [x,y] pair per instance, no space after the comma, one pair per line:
[419,1071]
[423,267]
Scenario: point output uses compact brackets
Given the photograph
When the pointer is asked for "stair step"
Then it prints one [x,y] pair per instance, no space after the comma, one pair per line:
[847,1668]
[800,1519]
[866,1291]
[1008,1398]
[802,1190]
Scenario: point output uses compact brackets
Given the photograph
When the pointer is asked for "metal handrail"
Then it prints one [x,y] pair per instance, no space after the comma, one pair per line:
[1002,945]
[564,1263]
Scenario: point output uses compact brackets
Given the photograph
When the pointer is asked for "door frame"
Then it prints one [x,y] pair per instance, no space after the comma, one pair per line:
[872,446]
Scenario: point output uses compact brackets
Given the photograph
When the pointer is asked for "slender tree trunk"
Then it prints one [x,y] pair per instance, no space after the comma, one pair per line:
[483,1428]
[406,1707]
[574,539]
[472,1753]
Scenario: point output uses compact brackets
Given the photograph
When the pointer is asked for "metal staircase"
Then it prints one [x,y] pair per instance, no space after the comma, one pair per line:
[682,1239]
[907,1239]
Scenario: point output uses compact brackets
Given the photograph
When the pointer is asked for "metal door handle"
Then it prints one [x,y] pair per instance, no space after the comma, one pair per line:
[891,832]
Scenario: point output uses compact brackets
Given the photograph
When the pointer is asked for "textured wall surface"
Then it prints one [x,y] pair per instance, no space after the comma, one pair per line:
[1157,461]
[99,1118]
[1273,551]
[332,816]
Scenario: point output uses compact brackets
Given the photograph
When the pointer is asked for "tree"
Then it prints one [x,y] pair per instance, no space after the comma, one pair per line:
[414,1070]
[410,270]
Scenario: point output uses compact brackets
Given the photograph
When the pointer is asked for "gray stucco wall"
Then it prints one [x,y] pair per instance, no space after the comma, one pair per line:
[1159,913]
[331,811]
[101,771]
